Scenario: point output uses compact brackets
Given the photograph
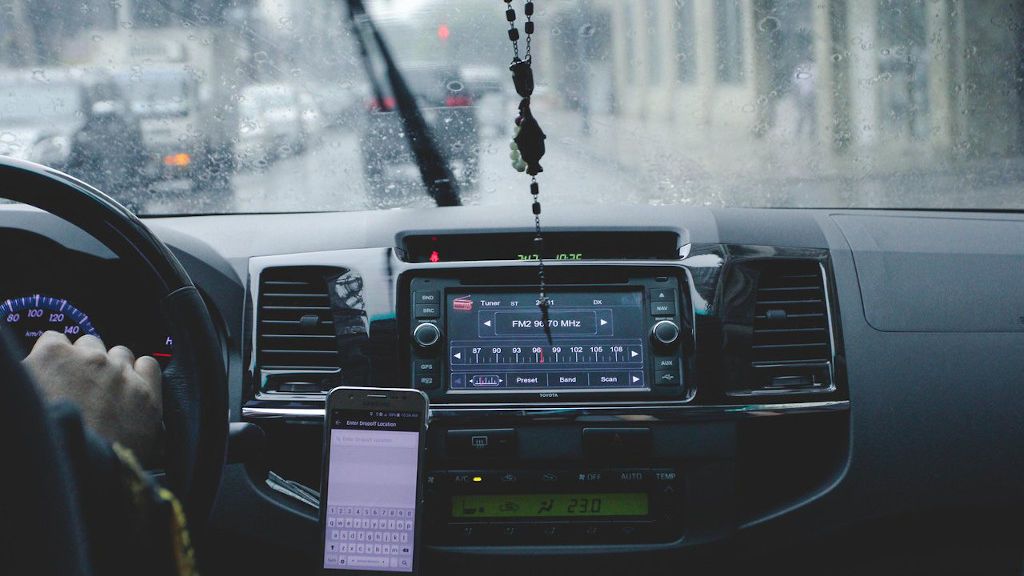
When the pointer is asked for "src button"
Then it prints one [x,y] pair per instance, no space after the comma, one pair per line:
[426,335]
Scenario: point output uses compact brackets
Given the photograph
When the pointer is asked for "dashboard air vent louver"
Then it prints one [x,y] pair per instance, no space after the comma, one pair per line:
[791,346]
[296,344]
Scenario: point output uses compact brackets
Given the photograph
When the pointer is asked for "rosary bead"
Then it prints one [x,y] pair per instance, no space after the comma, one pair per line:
[513,34]
[534,187]
[510,15]
[528,9]
[536,208]
[528,27]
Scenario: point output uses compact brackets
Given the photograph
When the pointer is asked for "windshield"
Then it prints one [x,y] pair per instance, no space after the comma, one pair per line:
[268,106]
[28,101]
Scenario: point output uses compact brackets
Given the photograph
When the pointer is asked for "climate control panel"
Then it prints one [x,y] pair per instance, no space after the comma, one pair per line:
[555,506]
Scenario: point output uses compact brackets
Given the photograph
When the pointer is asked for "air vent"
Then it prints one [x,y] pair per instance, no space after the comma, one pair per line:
[296,347]
[791,347]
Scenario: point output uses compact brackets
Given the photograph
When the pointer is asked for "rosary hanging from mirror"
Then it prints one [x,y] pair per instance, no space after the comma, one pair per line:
[528,140]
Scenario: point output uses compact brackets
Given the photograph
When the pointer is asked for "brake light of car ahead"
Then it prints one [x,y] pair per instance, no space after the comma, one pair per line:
[179,160]
[453,101]
[385,105]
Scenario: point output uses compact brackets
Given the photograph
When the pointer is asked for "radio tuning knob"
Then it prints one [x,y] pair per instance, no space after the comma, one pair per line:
[665,333]
[426,335]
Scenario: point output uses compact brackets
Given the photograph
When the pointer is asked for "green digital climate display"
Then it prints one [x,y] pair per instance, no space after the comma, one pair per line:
[549,505]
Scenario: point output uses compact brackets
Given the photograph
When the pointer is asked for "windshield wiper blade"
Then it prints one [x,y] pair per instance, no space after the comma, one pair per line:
[433,166]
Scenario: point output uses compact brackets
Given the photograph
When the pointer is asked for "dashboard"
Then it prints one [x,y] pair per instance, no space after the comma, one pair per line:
[76,292]
[728,388]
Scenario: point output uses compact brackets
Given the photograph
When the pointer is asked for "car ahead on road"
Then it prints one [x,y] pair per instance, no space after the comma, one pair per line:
[271,123]
[167,104]
[42,111]
[447,106]
[65,119]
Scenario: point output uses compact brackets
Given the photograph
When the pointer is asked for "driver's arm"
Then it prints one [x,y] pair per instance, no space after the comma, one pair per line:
[106,405]
[118,395]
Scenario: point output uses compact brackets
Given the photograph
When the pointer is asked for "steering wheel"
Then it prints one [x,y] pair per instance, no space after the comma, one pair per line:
[195,399]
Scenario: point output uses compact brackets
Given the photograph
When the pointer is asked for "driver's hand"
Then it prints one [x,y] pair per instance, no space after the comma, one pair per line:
[119,396]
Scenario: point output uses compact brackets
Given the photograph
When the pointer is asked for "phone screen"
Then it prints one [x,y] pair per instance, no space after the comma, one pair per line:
[372,467]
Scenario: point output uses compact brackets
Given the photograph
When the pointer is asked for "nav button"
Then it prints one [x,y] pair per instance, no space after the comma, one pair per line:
[664,308]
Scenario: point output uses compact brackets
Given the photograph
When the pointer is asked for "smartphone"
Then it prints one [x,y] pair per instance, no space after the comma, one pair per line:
[371,490]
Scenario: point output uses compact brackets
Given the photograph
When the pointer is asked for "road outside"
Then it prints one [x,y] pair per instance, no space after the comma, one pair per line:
[328,175]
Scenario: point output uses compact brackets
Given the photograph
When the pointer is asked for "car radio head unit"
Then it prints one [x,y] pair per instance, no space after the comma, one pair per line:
[624,340]
[500,341]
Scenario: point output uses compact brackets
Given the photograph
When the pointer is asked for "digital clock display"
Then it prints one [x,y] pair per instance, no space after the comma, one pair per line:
[549,505]
[603,245]
[558,256]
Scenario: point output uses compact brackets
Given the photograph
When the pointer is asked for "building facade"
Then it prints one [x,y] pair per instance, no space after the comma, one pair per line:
[865,79]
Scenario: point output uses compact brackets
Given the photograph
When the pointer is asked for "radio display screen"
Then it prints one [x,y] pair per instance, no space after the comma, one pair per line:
[466,506]
[499,341]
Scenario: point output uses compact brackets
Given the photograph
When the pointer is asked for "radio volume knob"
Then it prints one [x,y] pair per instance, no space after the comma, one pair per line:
[665,333]
[426,335]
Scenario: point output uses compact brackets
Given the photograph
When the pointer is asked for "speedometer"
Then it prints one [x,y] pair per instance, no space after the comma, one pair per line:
[30,316]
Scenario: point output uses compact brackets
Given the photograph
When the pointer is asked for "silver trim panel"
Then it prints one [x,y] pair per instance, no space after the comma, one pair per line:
[672,411]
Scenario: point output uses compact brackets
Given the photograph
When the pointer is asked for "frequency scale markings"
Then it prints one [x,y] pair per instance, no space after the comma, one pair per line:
[628,352]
